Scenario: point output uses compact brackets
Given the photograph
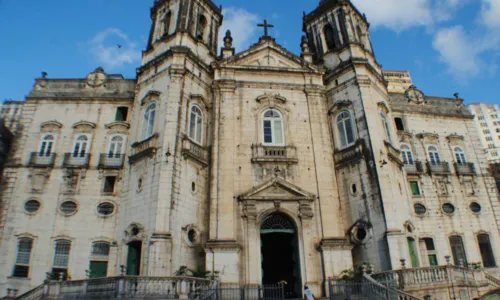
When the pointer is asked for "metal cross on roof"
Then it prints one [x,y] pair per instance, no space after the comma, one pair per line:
[266,27]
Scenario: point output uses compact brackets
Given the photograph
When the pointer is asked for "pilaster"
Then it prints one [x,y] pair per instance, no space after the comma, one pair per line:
[223,257]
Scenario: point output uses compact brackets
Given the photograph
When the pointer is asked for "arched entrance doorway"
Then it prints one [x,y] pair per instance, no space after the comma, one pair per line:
[280,253]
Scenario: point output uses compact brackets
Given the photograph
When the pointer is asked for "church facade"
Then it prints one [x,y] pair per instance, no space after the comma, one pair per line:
[260,166]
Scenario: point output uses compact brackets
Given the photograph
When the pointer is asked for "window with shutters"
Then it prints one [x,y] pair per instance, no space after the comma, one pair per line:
[272,126]
[81,146]
[61,256]
[434,156]
[148,121]
[407,154]
[22,266]
[458,251]
[415,188]
[430,251]
[195,124]
[486,250]
[116,144]
[345,130]
[387,128]
[99,260]
[47,145]
[460,156]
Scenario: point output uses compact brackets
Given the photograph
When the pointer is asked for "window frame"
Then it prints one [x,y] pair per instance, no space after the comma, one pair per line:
[29,255]
[456,259]
[396,119]
[52,147]
[66,259]
[148,127]
[122,149]
[87,145]
[119,109]
[344,134]
[491,252]
[433,159]
[460,156]
[197,126]
[273,131]
[387,128]
[418,186]
[407,154]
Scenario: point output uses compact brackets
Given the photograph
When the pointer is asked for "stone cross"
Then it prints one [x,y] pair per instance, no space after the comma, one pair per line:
[266,27]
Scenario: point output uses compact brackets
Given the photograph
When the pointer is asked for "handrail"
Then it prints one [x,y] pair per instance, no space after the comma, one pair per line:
[401,295]
[495,281]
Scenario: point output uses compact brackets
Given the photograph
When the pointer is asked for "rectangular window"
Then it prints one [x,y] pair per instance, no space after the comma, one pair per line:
[61,256]
[399,124]
[109,184]
[458,251]
[22,267]
[431,251]
[121,114]
[486,131]
[98,269]
[486,251]
[415,188]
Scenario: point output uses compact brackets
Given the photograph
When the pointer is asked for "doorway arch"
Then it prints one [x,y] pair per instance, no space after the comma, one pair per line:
[280,253]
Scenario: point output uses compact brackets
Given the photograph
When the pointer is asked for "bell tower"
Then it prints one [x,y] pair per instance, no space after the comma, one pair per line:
[361,122]
[334,29]
[191,23]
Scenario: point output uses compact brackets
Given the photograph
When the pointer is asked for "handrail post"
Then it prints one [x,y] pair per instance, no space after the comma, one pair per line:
[85,286]
[121,287]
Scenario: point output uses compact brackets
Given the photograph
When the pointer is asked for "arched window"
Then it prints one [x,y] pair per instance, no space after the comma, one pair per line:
[166,23]
[387,129]
[329,36]
[115,146]
[22,267]
[195,124]
[345,129]
[460,156]
[148,122]
[273,128]
[407,154]
[434,155]
[202,25]
[81,144]
[47,145]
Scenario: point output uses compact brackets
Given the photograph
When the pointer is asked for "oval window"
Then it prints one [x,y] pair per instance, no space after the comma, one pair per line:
[448,208]
[475,207]
[420,209]
[105,208]
[32,206]
[68,207]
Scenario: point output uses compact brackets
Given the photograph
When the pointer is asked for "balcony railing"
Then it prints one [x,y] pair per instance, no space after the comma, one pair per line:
[76,161]
[111,161]
[286,154]
[195,151]
[438,168]
[416,168]
[465,169]
[349,155]
[144,148]
[41,160]
[123,287]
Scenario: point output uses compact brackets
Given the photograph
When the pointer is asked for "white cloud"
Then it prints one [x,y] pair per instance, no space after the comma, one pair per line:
[396,15]
[243,26]
[490,14]
[456,49]
[104,47]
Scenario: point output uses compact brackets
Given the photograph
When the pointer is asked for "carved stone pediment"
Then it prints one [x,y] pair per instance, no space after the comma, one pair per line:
[270,99]
[118,126]
[51,126]
[277,189]
[37,180]
[150,96]
[429,137]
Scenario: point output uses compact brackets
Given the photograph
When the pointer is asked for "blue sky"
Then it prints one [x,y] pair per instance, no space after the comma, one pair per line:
[448,45]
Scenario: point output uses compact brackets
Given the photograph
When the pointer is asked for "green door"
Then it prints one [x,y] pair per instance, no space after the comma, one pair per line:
[134,259]
[413,252]
[98,269]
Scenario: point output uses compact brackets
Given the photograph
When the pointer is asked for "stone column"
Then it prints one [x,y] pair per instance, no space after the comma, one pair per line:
[309,261]
[253,262]
[336,256]
[160,252]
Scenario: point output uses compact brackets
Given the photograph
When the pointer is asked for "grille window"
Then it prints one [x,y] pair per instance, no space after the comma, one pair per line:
[61,254]
[32,206]
[21,269]
[420,209]
[105,209]
[68,207]
[100,249]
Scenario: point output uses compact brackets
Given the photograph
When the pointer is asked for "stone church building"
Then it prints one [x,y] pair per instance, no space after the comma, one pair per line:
[259,166]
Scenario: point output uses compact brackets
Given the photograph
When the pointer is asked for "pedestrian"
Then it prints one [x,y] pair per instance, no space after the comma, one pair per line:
[308,294]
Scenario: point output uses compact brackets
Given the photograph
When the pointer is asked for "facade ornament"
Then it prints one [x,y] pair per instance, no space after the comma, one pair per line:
[415,95]
[97,78]
[228,40]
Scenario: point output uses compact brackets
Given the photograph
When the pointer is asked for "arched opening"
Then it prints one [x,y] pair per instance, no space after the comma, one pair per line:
[134,258]
[280,254]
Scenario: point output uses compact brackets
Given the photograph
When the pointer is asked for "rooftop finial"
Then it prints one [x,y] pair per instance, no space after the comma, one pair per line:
[228,40]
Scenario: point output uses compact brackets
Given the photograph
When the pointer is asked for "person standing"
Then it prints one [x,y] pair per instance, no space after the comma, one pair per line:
[308,294]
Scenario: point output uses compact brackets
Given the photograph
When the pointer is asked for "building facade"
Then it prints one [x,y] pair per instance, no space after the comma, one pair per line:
[260,166]
[487,117]
[397,81]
